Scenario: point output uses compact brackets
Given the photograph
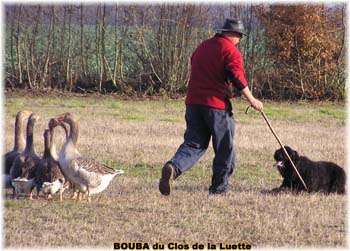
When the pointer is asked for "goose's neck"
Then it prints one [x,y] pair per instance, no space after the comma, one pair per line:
[19,141]
[30,138]
[52,146]
[74,132]
[47,145]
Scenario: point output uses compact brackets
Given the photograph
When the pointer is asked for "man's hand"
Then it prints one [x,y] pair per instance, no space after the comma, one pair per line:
[255,103]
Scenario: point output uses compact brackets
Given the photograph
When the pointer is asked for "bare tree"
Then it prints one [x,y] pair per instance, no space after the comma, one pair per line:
[146,49]
[69,79]
[26,55]
[18,44]
[11,20]
[83,55]
[48,51]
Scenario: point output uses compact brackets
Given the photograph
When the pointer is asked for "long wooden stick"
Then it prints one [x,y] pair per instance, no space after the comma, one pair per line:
[280,142]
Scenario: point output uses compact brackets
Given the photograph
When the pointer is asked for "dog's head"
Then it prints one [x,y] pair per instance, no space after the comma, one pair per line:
[282,162]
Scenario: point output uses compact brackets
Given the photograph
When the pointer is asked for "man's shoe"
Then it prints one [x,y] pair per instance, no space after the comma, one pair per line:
[165,182]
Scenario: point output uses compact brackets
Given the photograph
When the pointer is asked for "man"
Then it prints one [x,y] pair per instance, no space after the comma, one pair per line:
[216,68]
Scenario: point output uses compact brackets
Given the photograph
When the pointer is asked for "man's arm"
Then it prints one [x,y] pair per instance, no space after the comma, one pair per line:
[255,103]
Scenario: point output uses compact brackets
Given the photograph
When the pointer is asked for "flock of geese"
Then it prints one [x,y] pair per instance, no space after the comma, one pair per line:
[24,170]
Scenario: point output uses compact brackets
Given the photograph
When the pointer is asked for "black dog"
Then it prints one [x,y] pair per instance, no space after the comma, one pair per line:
[319,176]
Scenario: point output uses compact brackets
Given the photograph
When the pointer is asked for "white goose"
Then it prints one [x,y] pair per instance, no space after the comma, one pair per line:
[24,167]
[76,192]
[18,146]
[87,174]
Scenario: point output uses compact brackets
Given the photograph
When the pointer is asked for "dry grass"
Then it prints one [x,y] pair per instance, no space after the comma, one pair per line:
[141,136]
[131,210]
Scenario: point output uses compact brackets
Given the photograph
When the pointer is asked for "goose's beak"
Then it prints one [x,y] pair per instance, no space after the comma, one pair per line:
[60,117]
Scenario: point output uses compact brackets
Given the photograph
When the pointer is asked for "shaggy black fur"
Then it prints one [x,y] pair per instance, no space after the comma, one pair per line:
[319,176]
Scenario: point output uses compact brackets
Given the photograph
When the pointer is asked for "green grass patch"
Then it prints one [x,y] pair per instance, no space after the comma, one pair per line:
[133,117]
[169,119]
[137,169]
[297,111]
[13,203]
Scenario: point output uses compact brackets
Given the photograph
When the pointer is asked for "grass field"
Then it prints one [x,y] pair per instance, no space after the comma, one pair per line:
[139,137]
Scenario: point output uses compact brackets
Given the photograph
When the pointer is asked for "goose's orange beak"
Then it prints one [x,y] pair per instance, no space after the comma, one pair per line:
[60,117]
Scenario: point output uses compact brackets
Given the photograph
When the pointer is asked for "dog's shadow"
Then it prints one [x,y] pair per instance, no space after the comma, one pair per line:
[275,192]
[281,191]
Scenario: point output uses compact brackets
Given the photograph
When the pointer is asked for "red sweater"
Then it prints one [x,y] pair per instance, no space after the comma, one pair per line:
[216,64]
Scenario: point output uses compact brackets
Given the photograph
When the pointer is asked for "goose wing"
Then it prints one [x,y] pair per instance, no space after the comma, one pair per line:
[30,166]
[48,171]
[17,166]
[42,173]
[56,172]
[9,159]
[91,165]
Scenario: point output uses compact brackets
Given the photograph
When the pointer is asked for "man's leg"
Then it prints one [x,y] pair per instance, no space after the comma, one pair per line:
[196,141]
[222,129]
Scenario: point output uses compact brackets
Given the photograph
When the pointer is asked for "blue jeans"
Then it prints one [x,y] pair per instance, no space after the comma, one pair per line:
[203,123]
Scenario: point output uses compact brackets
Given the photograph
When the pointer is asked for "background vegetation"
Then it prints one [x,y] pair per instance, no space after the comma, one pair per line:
[292,51]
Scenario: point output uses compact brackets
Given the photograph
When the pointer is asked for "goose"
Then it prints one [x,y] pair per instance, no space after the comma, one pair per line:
[17,147]
[87,174]
[48,177]
[24,166]
[53,123]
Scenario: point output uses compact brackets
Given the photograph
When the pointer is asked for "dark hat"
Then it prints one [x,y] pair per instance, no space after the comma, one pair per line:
[234,25]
